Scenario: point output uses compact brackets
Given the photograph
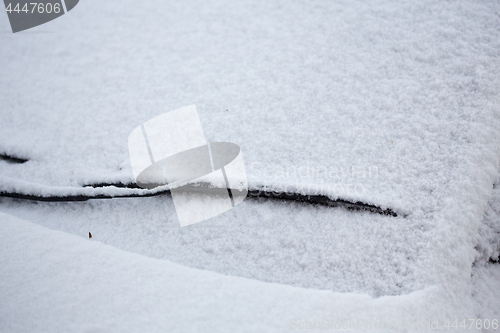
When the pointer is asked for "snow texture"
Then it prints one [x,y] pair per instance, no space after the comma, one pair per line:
[390,103]
[282,242]
[488,246]
[51,281]
[485,286]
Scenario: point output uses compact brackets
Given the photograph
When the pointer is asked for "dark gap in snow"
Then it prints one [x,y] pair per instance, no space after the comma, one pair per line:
[119,184]
[12,159]
[494,261]
[262,194]
[321,200]
[73,197]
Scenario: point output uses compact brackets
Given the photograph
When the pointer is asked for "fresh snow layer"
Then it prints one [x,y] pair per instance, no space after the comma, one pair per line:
[290,243]
[485,292]
[55,282]
[488,245]
[389,103]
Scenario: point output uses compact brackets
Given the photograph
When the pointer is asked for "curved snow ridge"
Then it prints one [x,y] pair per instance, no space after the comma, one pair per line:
[155,291]
[27,190]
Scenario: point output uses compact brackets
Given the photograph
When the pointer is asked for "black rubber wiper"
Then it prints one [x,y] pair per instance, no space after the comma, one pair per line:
[262,194]
[12,159]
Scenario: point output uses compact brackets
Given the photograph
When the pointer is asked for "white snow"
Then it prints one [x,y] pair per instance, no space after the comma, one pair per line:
[52,281]
[485,285]
[488,245]
[389,103]
[289,243]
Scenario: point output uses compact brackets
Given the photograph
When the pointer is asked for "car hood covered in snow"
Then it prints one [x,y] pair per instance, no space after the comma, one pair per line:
[388,104]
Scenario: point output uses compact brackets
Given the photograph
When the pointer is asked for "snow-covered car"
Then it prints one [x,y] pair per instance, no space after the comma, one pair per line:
[370,133]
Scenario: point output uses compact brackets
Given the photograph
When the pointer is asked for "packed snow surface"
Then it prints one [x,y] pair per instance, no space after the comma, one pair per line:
[389,103]
[52,281]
